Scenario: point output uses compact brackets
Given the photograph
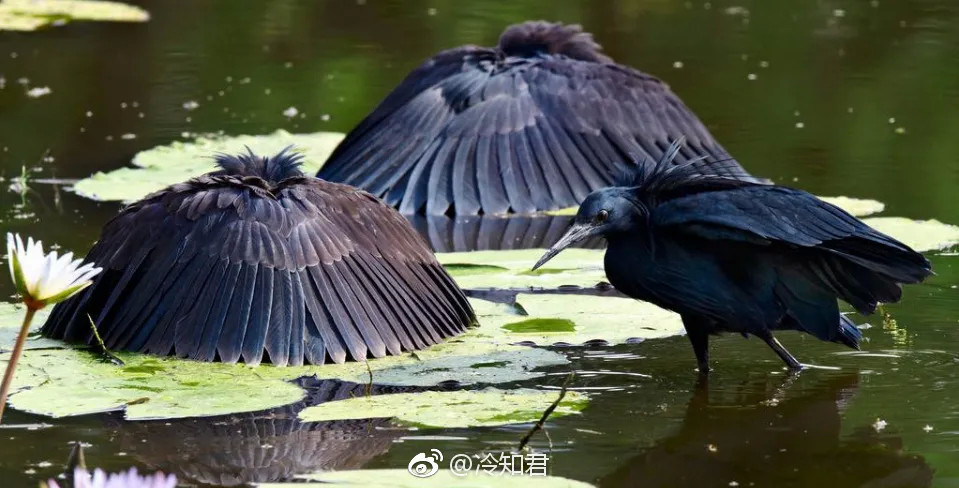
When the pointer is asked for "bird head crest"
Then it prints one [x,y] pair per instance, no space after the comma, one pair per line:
[285,164]
[666,179]
[541,37]
[645,173]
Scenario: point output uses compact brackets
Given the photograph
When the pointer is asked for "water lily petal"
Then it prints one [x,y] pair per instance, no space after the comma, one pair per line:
[45,278]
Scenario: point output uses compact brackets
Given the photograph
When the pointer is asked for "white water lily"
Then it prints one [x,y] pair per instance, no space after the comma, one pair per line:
[127,479]
[43,279]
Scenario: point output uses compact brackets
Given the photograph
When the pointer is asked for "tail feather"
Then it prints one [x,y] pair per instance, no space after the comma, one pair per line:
[890,258]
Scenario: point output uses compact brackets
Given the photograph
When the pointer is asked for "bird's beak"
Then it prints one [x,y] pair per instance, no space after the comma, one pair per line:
[576,233]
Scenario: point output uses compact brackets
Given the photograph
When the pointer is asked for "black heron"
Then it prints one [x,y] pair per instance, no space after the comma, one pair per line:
[258,257]
[737,256]
[535,123]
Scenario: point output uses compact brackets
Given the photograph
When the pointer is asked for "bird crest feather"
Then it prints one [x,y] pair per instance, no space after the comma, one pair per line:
[541,37]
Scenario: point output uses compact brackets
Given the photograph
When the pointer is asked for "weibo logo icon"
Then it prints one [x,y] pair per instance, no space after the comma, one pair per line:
[423,465]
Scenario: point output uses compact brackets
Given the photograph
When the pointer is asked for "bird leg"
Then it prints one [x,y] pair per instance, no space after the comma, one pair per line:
[787,358]
[698,333]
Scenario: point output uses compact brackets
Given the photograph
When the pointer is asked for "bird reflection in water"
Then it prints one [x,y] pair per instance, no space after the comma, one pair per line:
[751,438]
[494,232]
[265,446]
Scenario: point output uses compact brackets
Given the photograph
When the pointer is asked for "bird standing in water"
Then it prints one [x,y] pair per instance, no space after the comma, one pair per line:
[534,123]
[259,258]
[736,256]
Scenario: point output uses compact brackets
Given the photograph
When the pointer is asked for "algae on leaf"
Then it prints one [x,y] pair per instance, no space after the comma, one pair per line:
[162,166]
[449,409]
[400,478]
[29,15]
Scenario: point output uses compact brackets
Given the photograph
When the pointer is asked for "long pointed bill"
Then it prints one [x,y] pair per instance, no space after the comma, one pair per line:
[576,233]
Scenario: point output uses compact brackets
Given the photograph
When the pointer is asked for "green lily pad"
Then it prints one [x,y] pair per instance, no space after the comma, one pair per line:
[162,166]
[612,319]
[511,269]
[400,478]
[11,317]
[29,15]
[449,409]
[62,382]
[856,206]
[67,382]
[921,235]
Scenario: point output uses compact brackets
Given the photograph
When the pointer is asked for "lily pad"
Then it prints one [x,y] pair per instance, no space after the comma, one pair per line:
[62,382]
[858,207]
[28,15]
[400,478]
[511,269]
[449,409]
[162,166]
[921,235]
[11,316]
[67,382]
[614,320]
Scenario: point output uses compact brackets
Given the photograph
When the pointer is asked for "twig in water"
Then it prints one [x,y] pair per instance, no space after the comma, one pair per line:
[549,411]
[369,386]
[104,352]
[75,461]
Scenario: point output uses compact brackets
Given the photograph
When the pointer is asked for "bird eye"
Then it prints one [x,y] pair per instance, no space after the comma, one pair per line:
[602,216]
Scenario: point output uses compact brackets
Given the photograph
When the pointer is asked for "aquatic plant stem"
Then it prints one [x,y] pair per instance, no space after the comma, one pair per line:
[542,421]
[14,357]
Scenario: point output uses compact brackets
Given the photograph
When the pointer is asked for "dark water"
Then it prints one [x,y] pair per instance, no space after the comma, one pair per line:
[873,85]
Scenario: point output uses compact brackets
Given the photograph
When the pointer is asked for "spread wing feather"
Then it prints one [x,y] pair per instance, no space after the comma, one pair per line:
[308,271]
[475,131]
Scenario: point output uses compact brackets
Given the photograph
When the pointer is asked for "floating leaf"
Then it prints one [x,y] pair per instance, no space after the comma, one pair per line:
[511,269]
[73,382]
[11,318]
[449,409]
[177,162]
[921,235]
[614,320]
[400,478]
[28,15]
[858,207]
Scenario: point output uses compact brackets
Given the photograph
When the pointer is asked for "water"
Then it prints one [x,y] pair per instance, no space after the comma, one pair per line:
[836,97]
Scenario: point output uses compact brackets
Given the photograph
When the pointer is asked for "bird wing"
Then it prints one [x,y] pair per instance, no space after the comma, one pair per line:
[480,133]
[857,262]
[763,213]
[314,270]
